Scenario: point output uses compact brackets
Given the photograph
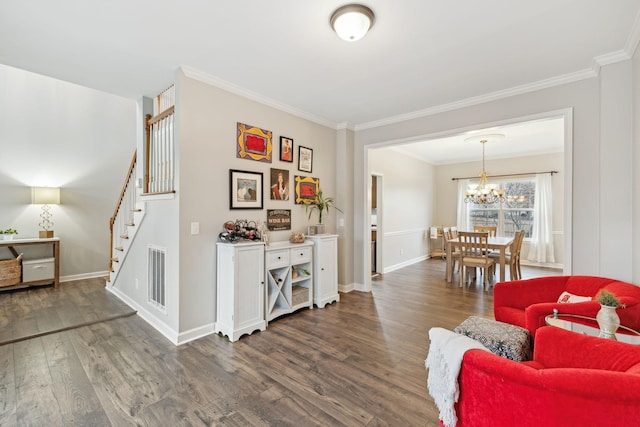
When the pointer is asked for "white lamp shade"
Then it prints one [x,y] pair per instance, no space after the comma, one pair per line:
[45,196]
[352,22]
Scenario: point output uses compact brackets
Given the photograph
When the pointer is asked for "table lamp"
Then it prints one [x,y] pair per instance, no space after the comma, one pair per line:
[45,196]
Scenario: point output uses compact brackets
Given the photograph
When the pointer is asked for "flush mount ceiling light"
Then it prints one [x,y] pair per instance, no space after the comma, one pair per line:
[352,21]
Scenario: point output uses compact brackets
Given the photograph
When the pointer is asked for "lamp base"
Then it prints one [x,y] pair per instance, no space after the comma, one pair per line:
[45,234]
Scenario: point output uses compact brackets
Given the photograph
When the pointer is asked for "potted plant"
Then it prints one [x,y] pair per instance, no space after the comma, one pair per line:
[321,204]
[607,318]
[607,299]
[8,233]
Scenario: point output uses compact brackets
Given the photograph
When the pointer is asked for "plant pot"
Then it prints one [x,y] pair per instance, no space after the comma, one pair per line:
[608,321]
[320,229]
[7,236]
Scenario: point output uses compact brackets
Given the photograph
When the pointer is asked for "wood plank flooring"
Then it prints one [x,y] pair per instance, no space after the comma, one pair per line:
[359,362]
[39,311]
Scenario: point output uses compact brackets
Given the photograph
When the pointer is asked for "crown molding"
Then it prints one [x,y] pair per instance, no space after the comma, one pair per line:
[253,96]
[629,49]
[493,96]
[634,37]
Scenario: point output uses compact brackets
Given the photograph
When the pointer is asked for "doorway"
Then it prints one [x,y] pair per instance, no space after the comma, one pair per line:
[376,225]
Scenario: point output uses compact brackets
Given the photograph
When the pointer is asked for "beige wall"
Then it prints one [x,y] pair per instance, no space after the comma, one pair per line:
[594,186]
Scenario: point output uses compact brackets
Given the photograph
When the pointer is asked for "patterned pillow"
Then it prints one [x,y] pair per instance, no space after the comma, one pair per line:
[503,339]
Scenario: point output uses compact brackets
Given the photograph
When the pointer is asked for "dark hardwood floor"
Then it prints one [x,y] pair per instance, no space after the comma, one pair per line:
[359,362]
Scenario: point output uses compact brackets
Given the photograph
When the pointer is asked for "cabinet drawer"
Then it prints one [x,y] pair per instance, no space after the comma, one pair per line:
[299,255]
[277,258]
[37,269]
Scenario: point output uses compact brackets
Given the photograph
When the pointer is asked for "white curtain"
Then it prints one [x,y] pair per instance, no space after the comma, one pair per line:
[463,208]
[541,247]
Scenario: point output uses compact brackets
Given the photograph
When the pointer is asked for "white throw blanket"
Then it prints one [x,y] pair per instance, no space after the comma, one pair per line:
[443,362]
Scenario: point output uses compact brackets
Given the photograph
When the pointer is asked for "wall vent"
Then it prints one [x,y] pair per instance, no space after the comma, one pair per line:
[157,277]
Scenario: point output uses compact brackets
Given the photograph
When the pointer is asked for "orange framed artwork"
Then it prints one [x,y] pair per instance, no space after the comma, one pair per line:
[254,143]
[306,189]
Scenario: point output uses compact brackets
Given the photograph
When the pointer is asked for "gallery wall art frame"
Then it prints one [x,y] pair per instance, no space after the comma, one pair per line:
[306,189]
[279,188]
[305,159]
[286,149]
[245,189]
[253,143]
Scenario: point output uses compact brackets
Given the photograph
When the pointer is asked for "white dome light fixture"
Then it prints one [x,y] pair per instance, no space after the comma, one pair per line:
[352,21]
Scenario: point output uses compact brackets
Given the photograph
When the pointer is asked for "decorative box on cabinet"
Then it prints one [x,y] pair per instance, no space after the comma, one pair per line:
[325,266]
[240,289]
[289,277]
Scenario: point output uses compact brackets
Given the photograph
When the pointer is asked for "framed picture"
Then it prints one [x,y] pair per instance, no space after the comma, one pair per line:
[305,159]
[286,149]
[245,189]
[279,184]
[306,189]
[254,143]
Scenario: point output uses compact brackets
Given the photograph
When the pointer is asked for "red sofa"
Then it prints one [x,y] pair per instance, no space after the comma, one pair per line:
[525,303]
[573,380]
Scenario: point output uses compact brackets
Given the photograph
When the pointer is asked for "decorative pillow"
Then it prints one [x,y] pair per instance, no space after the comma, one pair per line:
[509,341]
[567,297]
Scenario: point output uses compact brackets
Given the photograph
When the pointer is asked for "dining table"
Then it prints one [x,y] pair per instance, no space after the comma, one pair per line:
[499,243]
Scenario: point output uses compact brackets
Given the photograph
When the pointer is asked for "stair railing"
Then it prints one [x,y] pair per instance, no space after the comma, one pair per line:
[123,213]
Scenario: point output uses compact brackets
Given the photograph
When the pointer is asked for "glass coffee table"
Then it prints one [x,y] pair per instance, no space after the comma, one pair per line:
[589,326]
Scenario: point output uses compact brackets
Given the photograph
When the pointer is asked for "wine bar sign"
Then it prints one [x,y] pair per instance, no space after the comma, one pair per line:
[279,219]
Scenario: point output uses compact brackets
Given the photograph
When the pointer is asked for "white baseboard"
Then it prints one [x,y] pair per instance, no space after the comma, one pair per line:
[83,276]
[346,288]
[405,264]
[194,334]
[147,316]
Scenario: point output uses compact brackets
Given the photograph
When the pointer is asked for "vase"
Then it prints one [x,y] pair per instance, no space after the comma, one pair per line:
[608,321]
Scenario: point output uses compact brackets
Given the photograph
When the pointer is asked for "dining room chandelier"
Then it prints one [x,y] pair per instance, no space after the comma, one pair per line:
[484,193]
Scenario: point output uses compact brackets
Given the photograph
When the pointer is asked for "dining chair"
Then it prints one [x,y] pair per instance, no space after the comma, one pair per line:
[474,252]
[455,252]
[491,229]
[512,258]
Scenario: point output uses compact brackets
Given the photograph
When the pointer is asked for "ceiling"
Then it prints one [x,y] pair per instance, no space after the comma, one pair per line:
[419,56]
[533,137]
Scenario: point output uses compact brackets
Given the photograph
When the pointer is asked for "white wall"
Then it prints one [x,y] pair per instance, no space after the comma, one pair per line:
[590,179]
[408,205]
[58,134]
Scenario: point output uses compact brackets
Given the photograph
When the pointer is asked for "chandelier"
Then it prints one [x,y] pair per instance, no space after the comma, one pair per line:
[484,193]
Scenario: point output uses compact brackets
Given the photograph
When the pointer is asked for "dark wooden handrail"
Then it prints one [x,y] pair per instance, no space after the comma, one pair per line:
[112,220]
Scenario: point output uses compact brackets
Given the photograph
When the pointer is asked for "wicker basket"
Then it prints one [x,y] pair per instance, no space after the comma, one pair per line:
[299,295]
[10,271]
[297,238]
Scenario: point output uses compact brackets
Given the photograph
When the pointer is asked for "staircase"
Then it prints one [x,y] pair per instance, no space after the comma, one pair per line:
[158,179]
[124,224]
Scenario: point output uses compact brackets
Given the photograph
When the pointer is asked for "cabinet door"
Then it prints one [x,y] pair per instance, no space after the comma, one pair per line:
[326,272]
[249,298]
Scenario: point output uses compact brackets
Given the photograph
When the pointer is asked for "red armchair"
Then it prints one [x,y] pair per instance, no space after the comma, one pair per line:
[525,303]
[573,380]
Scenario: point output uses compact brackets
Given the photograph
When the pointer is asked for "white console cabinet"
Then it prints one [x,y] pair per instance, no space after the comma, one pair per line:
[289,276]
[240,289]
[325,265]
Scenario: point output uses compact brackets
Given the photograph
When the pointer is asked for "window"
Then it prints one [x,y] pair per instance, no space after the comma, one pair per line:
[515,214]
